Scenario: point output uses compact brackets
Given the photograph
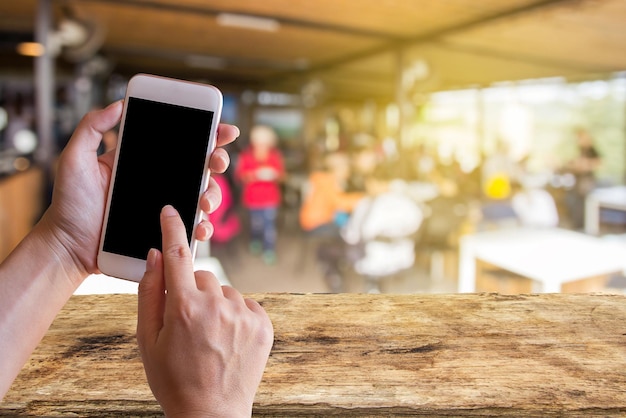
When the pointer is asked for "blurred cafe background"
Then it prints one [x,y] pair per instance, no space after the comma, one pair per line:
[400,146]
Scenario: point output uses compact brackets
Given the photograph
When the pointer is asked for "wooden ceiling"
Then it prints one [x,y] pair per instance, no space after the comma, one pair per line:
[342,49]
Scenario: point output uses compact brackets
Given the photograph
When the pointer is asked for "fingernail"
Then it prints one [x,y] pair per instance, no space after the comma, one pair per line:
[238,132]
[151,259]
[209,229]
[168,211]
[116,103]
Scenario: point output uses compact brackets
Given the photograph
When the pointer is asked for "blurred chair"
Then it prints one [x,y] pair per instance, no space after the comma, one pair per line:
[385,226]
[399,254]
[293,195]
[444,217]
[535,208]
[497,215]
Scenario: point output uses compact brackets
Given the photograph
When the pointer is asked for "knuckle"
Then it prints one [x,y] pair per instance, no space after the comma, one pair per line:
[141,289]
[186,314]
[264,332]
[205,274]
[177,251]
[89,118]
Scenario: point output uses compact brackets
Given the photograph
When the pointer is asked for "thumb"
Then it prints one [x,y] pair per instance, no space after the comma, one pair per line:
[151,300]
[88,133]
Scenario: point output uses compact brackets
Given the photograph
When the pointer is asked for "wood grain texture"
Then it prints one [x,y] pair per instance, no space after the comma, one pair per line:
[362,355]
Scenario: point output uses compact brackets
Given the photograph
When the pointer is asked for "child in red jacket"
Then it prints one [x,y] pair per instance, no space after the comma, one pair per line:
[260,169]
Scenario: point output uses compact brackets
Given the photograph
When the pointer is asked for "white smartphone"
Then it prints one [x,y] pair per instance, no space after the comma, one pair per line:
[167,134]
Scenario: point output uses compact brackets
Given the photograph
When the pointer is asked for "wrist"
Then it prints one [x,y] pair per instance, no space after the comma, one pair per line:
[208,414]
[208,409]
[57,244]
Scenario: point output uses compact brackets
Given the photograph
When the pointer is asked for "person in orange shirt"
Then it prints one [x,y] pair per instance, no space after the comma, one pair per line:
[325,209]
[326,202]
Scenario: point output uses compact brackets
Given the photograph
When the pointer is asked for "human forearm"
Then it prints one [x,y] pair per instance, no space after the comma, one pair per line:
[36,280]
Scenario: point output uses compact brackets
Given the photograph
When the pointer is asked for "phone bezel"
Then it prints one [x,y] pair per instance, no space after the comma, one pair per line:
[166,90]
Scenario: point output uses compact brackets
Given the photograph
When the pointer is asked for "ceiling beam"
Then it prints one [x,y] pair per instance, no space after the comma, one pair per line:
[300,23]
[428,37]
[388,41]
[557,64]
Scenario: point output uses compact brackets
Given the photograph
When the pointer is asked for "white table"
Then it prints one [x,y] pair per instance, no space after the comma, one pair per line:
[103,284]
[605,197]
[550,256]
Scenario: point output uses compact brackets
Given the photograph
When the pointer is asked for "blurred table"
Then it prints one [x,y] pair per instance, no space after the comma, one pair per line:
[361,355]
[602,198]
[549,256]
[21,205]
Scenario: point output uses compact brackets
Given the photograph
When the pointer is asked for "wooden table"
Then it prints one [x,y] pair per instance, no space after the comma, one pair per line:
[551,257]
[362,355]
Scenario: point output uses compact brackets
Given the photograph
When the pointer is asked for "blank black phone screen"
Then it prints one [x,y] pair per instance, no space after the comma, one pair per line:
[161,161]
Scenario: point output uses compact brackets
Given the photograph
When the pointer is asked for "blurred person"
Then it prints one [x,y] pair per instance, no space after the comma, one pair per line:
[384,224]
[260,170]
[498,171]
[446,218]
[226,344]
[225,219]
[418,164]
[534,206]
[326,201]
[364,160]
[326,206]
[583,166]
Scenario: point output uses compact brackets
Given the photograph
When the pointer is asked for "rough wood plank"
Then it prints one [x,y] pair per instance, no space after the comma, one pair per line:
[362,355]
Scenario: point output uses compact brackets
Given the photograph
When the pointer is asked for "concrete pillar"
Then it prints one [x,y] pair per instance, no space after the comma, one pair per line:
[44,87]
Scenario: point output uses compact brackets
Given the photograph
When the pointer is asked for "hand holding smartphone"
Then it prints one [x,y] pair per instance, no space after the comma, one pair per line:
[167,134]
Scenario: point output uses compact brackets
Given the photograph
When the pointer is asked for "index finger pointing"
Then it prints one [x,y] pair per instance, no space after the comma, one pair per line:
[177,260]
